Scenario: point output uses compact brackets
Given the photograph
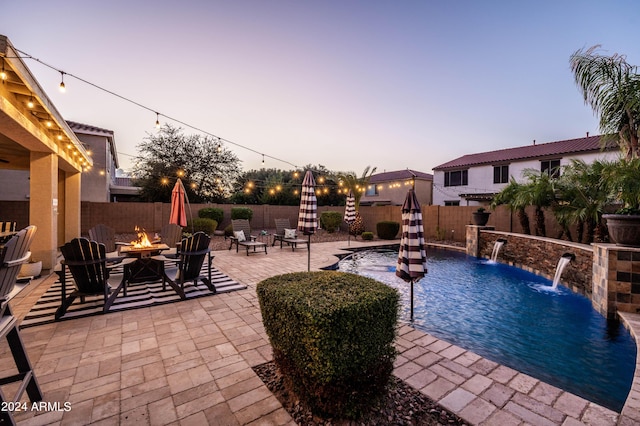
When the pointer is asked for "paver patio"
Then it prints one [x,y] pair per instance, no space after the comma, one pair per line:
[189,363]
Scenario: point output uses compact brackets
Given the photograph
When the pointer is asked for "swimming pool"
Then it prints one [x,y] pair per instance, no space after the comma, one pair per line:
[512,317]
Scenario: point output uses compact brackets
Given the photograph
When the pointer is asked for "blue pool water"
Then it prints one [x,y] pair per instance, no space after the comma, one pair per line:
[512,317]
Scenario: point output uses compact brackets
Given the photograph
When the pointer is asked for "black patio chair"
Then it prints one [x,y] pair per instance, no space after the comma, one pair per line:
[87,261]
[192,252]
[282,225]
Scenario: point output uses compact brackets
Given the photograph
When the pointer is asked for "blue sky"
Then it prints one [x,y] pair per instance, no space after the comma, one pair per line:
[345,84]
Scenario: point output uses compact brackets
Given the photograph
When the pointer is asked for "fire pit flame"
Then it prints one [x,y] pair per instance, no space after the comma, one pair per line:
[142,240]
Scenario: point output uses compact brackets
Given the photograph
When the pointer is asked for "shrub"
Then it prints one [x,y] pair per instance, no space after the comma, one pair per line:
[228,231]
[387,229]
[367,236]
[330,221]
[332,335]
[208,226]
[212,213]
[241,213]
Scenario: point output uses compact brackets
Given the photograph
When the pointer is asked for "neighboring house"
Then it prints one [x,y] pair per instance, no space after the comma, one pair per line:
[475,178]
[390,188]
[99,182]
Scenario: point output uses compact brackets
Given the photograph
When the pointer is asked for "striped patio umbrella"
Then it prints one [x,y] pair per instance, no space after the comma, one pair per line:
[308,214]
[350,213]
[412,257]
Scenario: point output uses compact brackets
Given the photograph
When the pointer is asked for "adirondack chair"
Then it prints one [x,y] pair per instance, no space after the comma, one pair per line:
[171,235]
[191,256]
[87,262]
[13,254]
[106,235]
[281,235]
[7,227]
[242,236]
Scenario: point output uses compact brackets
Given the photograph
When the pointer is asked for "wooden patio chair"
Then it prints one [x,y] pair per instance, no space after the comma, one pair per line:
[192,252]
[171,235]
[242,236]
[87,261]
[283,229]
[106,235]
[7,227]
[13,254]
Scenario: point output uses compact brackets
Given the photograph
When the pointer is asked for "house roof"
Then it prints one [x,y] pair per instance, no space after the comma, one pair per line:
[86,129]
[399,175]
[543,150]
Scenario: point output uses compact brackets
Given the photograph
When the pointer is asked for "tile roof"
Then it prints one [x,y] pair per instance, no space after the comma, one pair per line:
[87,129]
[399,175]
[549,149]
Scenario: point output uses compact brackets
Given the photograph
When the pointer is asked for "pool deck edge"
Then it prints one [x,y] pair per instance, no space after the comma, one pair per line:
[631,411]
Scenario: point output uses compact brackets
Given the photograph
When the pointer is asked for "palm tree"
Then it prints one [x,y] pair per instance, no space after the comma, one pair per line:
[510,196]
[358,186]
[539,191]
[611,87]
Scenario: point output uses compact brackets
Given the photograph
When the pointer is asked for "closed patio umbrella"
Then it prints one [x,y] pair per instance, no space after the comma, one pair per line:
[178,213]
[412,257]
[308,214]
[350,213]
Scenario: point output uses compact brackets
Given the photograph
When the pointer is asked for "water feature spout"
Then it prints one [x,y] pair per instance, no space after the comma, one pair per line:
[562,263]
[496,248]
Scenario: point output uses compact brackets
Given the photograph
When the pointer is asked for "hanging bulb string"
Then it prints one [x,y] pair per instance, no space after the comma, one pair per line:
[158,114]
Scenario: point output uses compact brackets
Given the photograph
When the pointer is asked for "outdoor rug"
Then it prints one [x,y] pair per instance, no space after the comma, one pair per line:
[139,295]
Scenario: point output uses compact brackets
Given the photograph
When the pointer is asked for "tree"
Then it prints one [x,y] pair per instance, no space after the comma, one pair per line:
[611,87]
[538,191]
[510,195]
[357,185]
[206,167]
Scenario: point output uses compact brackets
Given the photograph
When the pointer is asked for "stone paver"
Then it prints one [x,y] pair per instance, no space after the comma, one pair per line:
[190,363]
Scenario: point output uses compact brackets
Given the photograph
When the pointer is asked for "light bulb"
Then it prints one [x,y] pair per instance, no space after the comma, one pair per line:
[157,120]
[30,103]
[62,86]
[3,73]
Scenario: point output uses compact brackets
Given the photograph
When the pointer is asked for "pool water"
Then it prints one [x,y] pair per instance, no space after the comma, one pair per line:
[513,317]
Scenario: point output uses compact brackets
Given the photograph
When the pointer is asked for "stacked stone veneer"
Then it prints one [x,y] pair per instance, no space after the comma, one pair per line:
[616,279]
[536,254]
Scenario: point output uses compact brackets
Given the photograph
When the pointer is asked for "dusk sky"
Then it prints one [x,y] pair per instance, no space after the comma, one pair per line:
[344,84]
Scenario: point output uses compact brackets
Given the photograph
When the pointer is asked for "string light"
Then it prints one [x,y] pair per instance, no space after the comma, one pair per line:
[3,73]
[62,86]
[30,103]
[157,120]
[263,159]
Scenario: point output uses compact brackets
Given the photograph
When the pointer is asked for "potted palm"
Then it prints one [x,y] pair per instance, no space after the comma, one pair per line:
[480,216]
[623,180]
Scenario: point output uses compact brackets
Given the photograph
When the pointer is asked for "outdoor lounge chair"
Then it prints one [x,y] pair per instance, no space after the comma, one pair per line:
[242,236]
[188,266]
[13,254]
[283,228]
[87,261]
[106,235]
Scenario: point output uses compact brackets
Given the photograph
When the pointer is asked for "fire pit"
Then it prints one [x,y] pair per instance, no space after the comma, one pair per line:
[142,246]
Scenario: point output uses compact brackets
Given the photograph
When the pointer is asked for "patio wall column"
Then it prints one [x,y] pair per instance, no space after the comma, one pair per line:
[72,202]
[43,207]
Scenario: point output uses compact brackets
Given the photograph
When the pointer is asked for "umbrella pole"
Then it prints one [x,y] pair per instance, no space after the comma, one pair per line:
[309,254]
[411,300]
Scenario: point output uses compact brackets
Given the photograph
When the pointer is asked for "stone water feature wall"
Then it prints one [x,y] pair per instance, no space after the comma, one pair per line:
[616,279]
[536,254]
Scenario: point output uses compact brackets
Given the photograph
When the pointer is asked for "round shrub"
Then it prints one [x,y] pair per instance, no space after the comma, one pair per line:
[332,335]
[208,226]
[330,221]
[212,213]
[387,229]
[241,213]
[368,236]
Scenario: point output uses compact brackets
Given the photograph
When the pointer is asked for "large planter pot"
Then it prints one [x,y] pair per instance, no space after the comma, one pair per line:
[480,218]
[624,229]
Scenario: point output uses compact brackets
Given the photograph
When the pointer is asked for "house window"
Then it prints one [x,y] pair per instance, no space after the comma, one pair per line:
[371,190]
[452,203]
[551,167]
[457,178]
[501,174]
